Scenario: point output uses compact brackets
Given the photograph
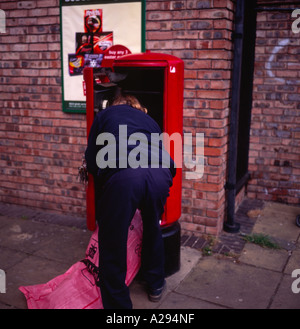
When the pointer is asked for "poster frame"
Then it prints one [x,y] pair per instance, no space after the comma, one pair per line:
[80,106]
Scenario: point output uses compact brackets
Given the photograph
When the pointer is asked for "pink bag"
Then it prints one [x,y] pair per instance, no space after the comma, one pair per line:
[76,288]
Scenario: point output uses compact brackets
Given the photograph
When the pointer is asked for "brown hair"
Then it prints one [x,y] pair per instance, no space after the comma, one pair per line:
[129,100]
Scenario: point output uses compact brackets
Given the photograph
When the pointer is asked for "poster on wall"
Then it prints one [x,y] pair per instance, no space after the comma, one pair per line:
[93,34]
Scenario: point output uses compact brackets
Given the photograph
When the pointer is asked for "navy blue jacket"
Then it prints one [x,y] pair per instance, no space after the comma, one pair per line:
[136,121]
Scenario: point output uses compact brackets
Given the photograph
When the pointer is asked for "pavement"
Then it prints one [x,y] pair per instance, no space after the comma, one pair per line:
[216,273]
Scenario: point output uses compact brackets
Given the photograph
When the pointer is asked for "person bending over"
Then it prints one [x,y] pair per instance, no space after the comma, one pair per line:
[120,190]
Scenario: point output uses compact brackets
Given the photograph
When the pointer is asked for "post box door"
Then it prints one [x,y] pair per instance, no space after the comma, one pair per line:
[157,81]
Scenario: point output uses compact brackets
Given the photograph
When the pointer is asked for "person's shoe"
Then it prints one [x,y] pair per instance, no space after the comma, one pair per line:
[155,295]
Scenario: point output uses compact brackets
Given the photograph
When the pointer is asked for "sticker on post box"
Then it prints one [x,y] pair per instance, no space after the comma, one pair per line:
[84,88]
[93,20]
[102,42]
[84,43]
[172,69]
[76,64]
[93,60]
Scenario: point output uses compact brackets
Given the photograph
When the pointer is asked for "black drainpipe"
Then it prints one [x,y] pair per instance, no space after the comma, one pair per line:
[230,225]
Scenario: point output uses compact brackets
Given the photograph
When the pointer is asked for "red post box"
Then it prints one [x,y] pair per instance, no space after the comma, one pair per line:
[157,81]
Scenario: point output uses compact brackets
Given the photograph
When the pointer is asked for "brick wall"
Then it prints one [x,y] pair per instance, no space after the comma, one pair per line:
[41,147]
[199,32]
[275,134]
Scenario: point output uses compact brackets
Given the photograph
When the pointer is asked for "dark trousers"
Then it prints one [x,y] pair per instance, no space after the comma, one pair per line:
[146,189]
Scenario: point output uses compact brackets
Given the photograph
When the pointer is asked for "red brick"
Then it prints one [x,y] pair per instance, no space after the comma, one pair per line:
[212,94]
[208,187]
[214,54]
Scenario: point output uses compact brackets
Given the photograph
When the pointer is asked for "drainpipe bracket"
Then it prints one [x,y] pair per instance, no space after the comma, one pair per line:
[231,228]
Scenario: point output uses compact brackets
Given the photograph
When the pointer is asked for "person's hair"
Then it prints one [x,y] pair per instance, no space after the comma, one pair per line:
[129,100]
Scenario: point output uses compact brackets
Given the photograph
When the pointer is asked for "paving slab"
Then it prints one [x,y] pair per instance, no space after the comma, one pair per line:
[285,298]
[188,259]
[9,258]
[175,300]
[24,235]
[67,245]
[293,262]
[32,270]
[60,243]
[278,220]
[33,253]
[271,259]
[230,284]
